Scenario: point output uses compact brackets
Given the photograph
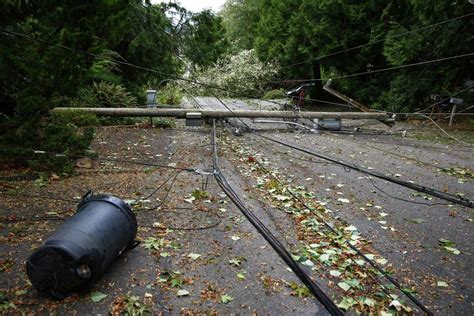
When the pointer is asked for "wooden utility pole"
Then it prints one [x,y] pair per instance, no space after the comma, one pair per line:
[345,98]
[181,113]
[352,102]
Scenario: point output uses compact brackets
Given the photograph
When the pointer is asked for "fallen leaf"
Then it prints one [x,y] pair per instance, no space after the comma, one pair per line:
[346,303]
[194,256]
[226,298]
[97,296]
[369,302]
[344,286]
[182,293]
[452,250]
[416,220]
[190,200]
[441,284]
[381,261]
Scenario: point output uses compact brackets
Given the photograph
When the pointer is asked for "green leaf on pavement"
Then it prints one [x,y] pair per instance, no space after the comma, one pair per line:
[344,286]
[346,303]
[226,298]
[182,293]
[194,256]
[452,250]
[97,296]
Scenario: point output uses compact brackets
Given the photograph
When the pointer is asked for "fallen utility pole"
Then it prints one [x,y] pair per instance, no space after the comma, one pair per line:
[345,98]
[352,102]
[181,113]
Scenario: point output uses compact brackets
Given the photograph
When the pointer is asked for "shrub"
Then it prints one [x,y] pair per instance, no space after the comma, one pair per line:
[62,141]
[274,94]
[105,95]
[164,122]
[170,95]
[78,118]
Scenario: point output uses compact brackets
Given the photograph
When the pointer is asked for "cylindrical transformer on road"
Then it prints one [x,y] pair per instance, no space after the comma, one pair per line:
[81,249]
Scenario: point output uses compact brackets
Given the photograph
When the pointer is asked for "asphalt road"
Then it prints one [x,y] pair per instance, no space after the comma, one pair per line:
[222,265]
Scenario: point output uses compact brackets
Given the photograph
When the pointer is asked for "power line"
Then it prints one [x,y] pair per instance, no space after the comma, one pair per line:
[427,190]
[271,239]
[278,247]
[378,41]
[420,188]
[143,163]
[173,177]
[354,248]
[380,70]
[236,200]
[174,77]
[367,176]
[357,250]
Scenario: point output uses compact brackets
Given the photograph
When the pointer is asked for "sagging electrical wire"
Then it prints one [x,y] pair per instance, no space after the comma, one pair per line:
[379,41]
[28,37]
[384,69]
[354,248]
[270,238]
[446,133]
[173,178]
[427,190]
[182,228]
[135,162]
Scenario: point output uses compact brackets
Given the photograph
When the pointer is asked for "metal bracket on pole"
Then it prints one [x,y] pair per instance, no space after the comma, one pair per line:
[193,119]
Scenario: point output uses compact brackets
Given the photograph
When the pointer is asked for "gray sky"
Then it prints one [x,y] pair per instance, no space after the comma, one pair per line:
[198,5]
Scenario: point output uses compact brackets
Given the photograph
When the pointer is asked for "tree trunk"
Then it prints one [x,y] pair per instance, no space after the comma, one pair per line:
[316,92]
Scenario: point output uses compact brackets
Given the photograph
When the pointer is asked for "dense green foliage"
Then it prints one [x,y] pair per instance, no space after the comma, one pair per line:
[296,33]
[170,95]
[205,42]
[78,53]
[240,21]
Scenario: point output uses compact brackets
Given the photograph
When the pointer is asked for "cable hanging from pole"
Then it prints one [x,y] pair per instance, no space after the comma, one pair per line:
[420,188]
[352,247]
[319,294]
